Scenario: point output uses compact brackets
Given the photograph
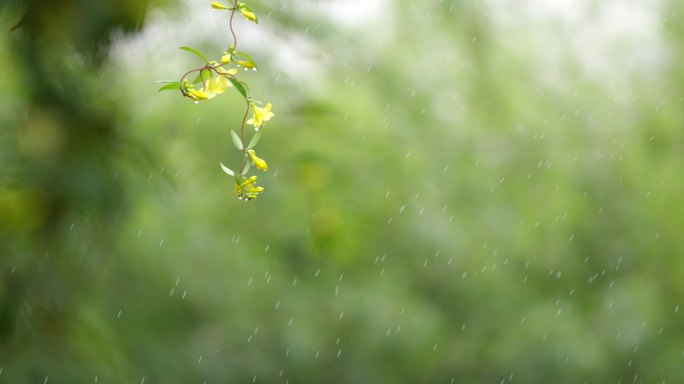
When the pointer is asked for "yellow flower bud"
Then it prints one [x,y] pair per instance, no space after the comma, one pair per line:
[225,59]
[219,6]
[246,64]
[250,182]
[259,163]
[247,12]
[249,15]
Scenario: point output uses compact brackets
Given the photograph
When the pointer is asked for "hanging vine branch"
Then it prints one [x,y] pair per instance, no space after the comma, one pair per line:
[214,78]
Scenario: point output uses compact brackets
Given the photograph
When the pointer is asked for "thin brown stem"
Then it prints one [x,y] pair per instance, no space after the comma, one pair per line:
[230,23]
[242,137]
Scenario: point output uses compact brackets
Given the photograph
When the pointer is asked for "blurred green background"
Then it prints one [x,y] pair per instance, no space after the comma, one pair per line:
[458,192]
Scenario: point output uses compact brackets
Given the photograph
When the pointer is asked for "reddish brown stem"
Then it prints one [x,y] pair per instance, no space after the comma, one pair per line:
[230,23]
[242,137]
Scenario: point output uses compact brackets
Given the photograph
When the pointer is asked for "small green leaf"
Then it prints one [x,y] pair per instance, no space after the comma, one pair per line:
[246,169]
[254,140]
[170,87]
[227,170]
[203,76]
[238,85]
[236,140]
[196,52]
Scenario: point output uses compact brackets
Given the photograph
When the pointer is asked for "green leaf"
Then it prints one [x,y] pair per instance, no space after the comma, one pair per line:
[236,140]
[238,85]
[227,170]
[246,169]
[203,76]
[170,87]
[254,140]
[196,52]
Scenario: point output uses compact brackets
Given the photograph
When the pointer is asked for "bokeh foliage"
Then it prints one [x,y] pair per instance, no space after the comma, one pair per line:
[454,197]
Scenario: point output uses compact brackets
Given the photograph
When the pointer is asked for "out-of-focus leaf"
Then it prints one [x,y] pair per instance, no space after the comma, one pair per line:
[170,87]
[246,169]
[227,170]
[254,140]
[236,140]
[203,76]
[239,86]
[195,52]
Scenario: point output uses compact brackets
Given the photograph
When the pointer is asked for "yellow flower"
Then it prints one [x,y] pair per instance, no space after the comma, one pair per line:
[198,95]
[259,163]
[225,59]
[261,115]
[216,86]
[245,188]
[212,87]
[219,6]
[230,72]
